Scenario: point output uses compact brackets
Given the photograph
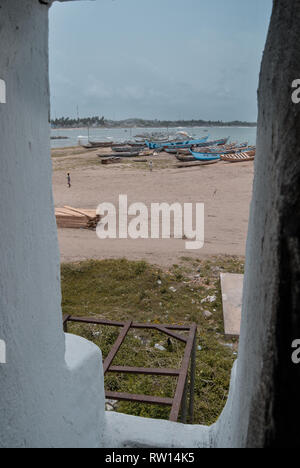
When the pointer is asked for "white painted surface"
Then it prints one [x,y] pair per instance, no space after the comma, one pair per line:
[2,92]
[51,389]
[125,431]
[2,352]
[232,298]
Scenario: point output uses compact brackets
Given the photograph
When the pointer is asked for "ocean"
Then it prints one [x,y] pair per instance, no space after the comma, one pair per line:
[239,134]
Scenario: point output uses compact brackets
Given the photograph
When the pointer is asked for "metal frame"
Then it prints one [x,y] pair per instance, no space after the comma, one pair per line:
[184,387]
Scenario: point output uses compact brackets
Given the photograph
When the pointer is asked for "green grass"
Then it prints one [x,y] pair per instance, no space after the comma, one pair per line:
[121,290]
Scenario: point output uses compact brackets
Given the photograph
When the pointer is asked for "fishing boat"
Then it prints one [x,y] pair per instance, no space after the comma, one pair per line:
[110,160]
[206,144]
[185,155]
[122,149]
[195,163]
[206,156]
[134,144]
[239,157]
[219,153]
[176,144]
[179,151]
[98,144]
[227,149]
[146,152]
[130,154]
[215,149]
[185,158]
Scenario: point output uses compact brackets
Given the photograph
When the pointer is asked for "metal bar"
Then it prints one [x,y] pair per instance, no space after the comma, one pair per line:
[180,398]
[142,370]
[116,346]
[65,322]
[139,398]
[94,321]
[184,403]
[192,382]
[183,375]
[162,329]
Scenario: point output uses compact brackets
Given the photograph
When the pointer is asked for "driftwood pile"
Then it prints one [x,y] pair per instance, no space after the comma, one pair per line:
[68,217]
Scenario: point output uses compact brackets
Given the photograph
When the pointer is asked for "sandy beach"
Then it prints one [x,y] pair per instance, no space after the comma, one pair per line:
[224,188]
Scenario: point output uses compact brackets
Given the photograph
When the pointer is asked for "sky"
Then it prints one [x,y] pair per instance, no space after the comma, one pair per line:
[157,59]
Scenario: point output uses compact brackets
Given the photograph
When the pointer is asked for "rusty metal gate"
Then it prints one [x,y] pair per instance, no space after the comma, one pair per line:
[185,387]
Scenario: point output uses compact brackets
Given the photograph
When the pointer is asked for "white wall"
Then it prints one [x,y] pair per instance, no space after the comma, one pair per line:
[41,401]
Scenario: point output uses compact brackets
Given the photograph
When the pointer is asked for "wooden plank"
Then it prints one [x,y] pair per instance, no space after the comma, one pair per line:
[76,211]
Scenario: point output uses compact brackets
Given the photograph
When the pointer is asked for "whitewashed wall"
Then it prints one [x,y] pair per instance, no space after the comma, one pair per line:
[51,394]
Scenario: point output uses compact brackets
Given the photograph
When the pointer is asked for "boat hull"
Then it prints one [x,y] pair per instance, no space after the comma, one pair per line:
[177,144]
[206,156]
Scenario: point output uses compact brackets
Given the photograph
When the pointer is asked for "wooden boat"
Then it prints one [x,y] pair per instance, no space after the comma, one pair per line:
[197,163]
[216,149]
[206,156]
[146,153]
[176,144]
[222,150]
[134,144]
[239,157]
[110,160]
[130,154]
[185,158]
[176,150]
[220,142]
[122,149]
[98,144]
[205,145]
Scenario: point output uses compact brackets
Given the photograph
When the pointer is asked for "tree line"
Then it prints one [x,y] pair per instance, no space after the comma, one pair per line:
[67,122]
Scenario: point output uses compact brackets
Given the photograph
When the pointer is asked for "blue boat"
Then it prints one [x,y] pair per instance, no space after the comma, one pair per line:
[211,156]
[207,144]
[177,144]
[206,156]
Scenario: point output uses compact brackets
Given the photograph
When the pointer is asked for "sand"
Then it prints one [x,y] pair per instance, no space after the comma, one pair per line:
[225,189]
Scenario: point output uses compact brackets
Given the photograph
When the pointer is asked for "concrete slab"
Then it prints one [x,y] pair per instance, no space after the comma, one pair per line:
[232,296]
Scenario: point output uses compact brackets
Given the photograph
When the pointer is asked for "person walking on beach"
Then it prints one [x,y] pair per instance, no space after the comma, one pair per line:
[69,180]
[151,166]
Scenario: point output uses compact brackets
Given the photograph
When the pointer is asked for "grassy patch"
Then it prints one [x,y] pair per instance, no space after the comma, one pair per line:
[121,290]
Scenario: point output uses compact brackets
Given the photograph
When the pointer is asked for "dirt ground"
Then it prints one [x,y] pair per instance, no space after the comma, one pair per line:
[224,188]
